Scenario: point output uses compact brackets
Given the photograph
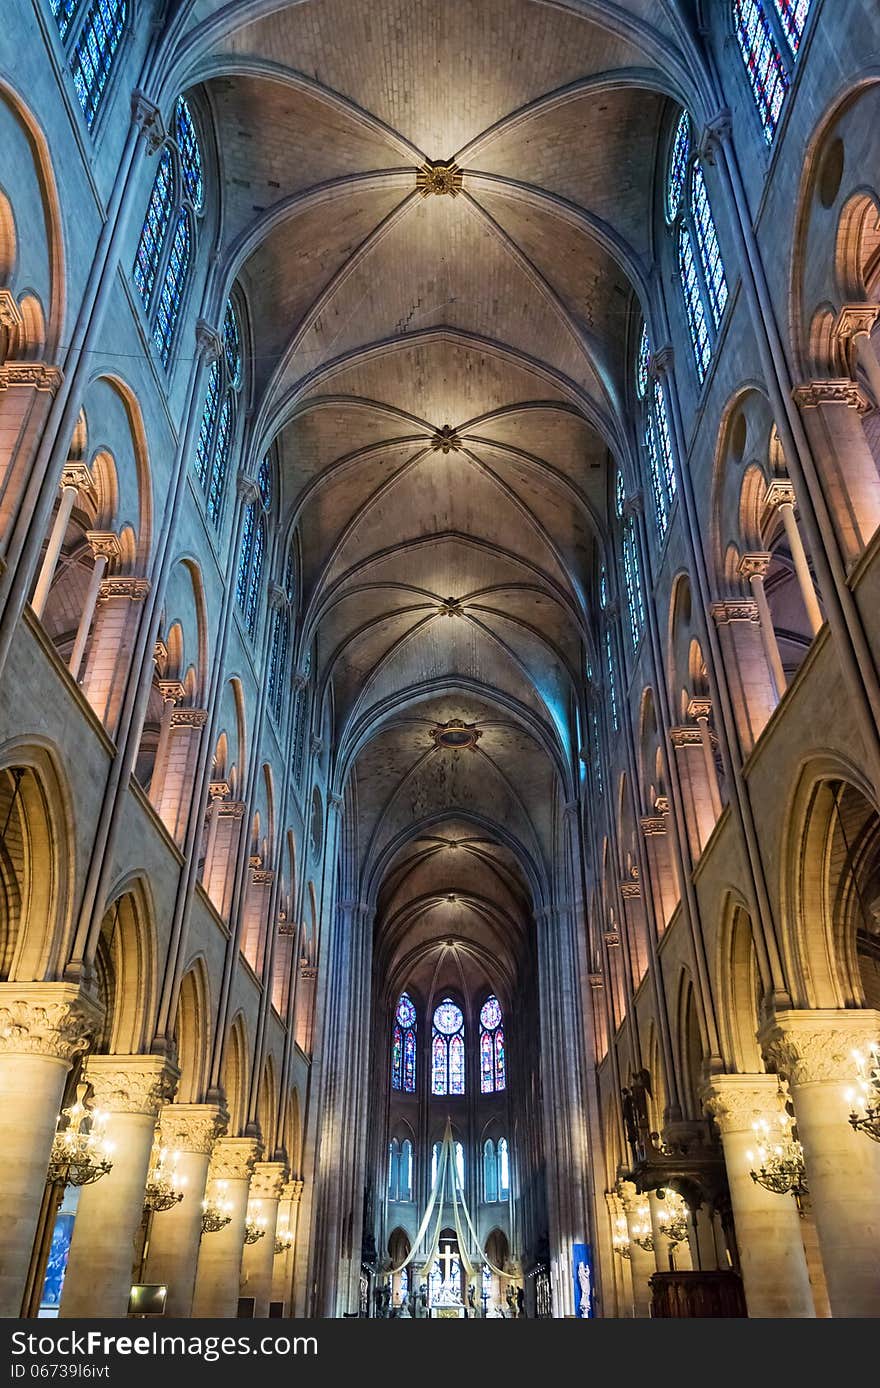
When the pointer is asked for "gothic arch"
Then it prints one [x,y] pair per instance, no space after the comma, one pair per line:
[36,861]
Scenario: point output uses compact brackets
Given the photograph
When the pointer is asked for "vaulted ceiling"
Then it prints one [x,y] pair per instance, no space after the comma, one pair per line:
[446,377]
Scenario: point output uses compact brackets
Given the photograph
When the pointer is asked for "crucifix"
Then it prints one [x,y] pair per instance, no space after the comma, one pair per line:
[446,1257]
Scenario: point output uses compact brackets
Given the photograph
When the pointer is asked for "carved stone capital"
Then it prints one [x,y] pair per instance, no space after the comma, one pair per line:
[685,737]
[49,1019]
[78,476]
[160,652]
[208,342]
[661,804]
[855,318]
[104,544]
[754,565]
[247,488]
[267,1182]
[189,718]
[34,374]
[262,877]
[652,825]
[815,394]
[148,119]
[780,492]
[699,708]
[816,1047]
[234,1158]
[171,690]
[596,980]
[734,610]
[316,745]
[634,504]
[662,361]
[441,177]
[277,597]
[630,890]
[715,132]
[293,1191]
[218,790]
[738,1101]
[308,973]
[10,313]
[192,1127]
[120,586]
[611,612]
[131,1083]
[611,938]
[231,809]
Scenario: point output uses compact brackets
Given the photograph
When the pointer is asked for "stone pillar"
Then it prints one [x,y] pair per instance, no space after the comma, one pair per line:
[219,1268]
[780,496]
[699,813]
[74,477]
[224,833]
[753,567]
[813,1049]
[27,392]
[853,328]
[173,779]
[282,1268]
[130,1089]
[832,414]
[105,549]
[643,1264]
[43,1027]
[258,1260]
[701,710]
[636,928]
[771,1250]
[120,602]
[662,877]
[173,1252]
[255,915]
[753,690]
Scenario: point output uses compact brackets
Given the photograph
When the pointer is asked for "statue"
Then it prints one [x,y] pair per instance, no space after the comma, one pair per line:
[377,1301]
[471,1298]
[630,1124]
[586,1304]
[403,1310]
[520,1302]
[510,1298]
[423,1300]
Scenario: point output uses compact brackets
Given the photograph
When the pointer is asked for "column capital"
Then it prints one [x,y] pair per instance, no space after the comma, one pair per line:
[218,790]
[634,505]
[738,1101]
[780,492]
[293,1191]
[813,394]
[686,736]
[716,132]
[268,1180]
[123,586]
[734,610]
[629,890]
[754,565]
[596,981]
[276,596]
[855,318]
[131,1083]
[699,708]
[234,1158]
[208,343]
[104,544]
[662,361]
[661,804]
[611,938]
[171,690]
[78,476]
[189,717]
[247,488]
[10,313]
[49,1019]
[192,1127]
[35,374]
[148,119]
[652,825]
[231,809]
[816,1046]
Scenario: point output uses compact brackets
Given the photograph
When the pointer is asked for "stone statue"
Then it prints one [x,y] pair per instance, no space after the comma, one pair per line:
[510,1298]
[630,1124]
[586,1306]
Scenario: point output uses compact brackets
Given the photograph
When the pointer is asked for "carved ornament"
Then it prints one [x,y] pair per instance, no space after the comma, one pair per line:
[441,177]
[192,1127]
[49,1019]
[735,610]
[234,1158]
[838,392]
[131,1083]
[35,374]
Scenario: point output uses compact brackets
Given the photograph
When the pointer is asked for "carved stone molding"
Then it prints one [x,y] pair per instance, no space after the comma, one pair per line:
[685,737]
[262,877]
[293,1191]
[148,118]
[277,597]
[234,1158]
[267,1182]
[171,690]
[131,1083]
[308,973]
[104,544]
[715,132]
[596,980]
[837,392]
[49,1019]
[441,177]
[699,708]
[780,492]
[35,374]
[10,313]
[661,804]
[78,476]
[630,890]
[247,488]
[856,318]
[634,505]
[231,809]
[208,342]
[189,718]
[662,361]
[611,938]
[445,440]
[652,825]
[734,610]
[316,745]
[738,1101]
[754,565]
[160,653]
[135,589]
[218,790]
[816,1047]
[192,1127]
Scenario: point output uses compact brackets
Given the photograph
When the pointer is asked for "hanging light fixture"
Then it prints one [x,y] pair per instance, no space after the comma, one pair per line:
[642,1230]
[620,1239]
[781,1158]
[256,1224]
[164,1187]
[672,1217]
[283,1240]
[216,1212]
[865,1098]
[80,1150]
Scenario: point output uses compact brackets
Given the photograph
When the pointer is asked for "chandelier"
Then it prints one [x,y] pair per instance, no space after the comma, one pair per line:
[642,1230]
[672,1218]
[620,1239]
[865,1098]
[283,1240]
[216,1213]
[256,1224]
[80,1151]
[781,1159]
[164,1187]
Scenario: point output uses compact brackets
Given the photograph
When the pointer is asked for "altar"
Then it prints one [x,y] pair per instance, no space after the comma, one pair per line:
[444,1313]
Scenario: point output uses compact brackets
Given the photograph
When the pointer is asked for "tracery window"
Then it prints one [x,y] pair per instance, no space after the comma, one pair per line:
[496,1170]
[767,74]
[676,172]
[696,316]
[403,1046]
[92,33]
[218,417]
[793,15]
[166,245]
[630,563]
[458,1161]
[393,1168]
[65,13]
[595,753]
[503,1169]
[280,644]
[405,1177]
[707,244]
[612,686]
[493,1058]
[700,267]
[447,1049]
[252,549]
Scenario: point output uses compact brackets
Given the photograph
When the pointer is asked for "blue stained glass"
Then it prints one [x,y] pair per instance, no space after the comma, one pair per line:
[396,1058]
[448,1018]
[603,587]
[245,551]
[65,13]
[256,577]
[155,228]
[278,659]
[766,71]
[490,1031]
[631,575]
[447,1049]
[793,18]
[500,1060]
[220,460]
[678,160]
[190,154]
[596,757]
[232,344]
[707,244]
[696,315]
[664,439]
[290,575]
[406,1012]
[439,1078]
[490,1013]
[264,482]
[409,1062]
[456,1065]
[487,1063]
[643,357]
[490,1171]
[612,687]
[657,489]
[168,310]
[94,52]
[206,429]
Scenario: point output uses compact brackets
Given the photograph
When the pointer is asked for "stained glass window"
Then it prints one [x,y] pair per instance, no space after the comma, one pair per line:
[661,511]
[404,1182]
[190,154]
[766,71]
[696,315]
[232,344]
[278,660]
[793,18]
[490,1171]
[171,292]
[612,687]
[492,1058]
[264,483]
[643,358]
[65,13]
[403,1049]
[206,429]
[244,555]
[290,575]
[664,440]
[250,615]
[603,587]
[218,425]
[149,251]
[447,1049]
[503,1169]
[677,167]
[94,52]
[217,479]
[707,244]
[393,1168]
[630,561]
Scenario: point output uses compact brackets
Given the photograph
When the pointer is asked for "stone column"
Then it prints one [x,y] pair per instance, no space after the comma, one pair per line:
[74,477]
[853,329]
[43,1027]
[105,549]
[814,1051]
[700,710]
[120,603]
[130,1089]
[752,687]
[224,833]
[176,761]
[832,415]
[771,1250]
[754,568]
[643,1264]
[258,1258]
[780,495]
[218,1275]
[663,890]
[282,1268]
[699,813]
[173,1252]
